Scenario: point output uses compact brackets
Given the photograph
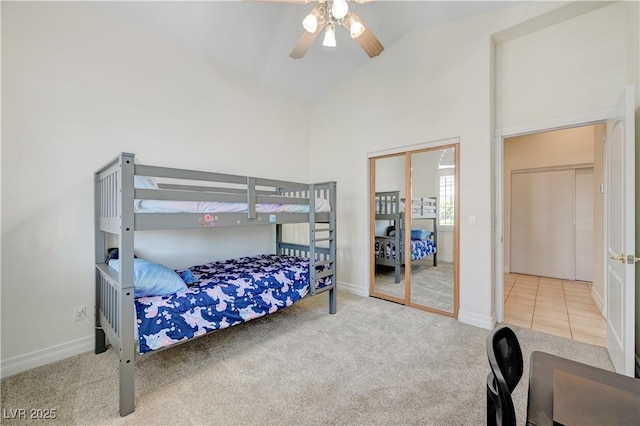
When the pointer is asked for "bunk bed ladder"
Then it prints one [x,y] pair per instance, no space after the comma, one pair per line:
[321,250]
[326,235]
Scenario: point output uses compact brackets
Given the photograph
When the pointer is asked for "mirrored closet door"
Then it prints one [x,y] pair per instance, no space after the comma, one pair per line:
[388,179]
[424,272]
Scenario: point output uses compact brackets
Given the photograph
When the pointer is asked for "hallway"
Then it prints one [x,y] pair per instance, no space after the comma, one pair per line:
[559,307]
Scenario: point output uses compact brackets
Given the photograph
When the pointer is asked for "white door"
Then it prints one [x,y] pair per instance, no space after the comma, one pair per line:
[620,177]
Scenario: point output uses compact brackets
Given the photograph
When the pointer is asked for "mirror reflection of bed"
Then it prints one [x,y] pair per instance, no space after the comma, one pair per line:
[429,227]
[389,182]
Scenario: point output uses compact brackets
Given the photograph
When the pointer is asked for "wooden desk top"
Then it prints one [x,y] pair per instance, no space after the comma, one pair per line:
[581,401]
[540,406]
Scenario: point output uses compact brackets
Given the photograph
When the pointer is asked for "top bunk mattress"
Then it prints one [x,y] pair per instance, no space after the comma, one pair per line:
[163,206]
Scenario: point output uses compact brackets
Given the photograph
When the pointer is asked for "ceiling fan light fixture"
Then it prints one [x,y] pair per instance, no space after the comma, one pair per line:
[339,9]
[327,15]
[329,37]
[310,22]
[355,26]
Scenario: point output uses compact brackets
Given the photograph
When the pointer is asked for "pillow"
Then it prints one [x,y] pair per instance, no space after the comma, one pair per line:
[152,279]
[187,276]
[420,234]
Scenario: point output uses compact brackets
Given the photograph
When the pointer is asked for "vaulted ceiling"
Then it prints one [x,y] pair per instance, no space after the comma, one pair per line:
[256,37]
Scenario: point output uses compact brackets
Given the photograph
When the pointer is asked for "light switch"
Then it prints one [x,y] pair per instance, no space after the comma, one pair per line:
[472,221]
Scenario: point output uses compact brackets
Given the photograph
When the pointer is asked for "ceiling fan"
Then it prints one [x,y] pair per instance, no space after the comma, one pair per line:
[328,15]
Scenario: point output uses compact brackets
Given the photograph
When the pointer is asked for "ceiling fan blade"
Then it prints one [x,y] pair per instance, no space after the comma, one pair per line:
[305,42]
[367,40]
[370,43]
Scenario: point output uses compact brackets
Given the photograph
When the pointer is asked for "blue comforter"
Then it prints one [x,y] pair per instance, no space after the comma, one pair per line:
[226,293]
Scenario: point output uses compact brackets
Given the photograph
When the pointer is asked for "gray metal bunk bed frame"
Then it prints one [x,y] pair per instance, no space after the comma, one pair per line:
[114,214]
[388,207]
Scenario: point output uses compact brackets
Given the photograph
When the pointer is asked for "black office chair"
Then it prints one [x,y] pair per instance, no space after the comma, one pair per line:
[505,360]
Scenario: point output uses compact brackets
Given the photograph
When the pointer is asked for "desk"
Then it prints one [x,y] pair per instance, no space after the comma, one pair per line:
[542,371]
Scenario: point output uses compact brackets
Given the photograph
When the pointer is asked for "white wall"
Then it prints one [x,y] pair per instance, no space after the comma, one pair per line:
[390,174]
[79,86]
[425,181]
[437,84]
[575,67]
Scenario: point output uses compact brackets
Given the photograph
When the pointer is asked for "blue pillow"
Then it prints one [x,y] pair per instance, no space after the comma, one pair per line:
[187,276]
[420,234]
[152,279]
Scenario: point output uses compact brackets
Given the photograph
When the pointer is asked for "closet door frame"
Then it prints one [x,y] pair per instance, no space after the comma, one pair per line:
[455,143]
[372,228]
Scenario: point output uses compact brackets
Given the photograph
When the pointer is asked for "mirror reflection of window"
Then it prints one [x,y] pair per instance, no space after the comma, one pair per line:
[446,173]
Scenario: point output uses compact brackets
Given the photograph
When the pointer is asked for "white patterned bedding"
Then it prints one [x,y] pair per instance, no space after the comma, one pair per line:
[164,206]
[226,293]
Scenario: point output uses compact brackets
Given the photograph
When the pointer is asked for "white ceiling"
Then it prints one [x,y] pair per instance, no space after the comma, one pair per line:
[256,37]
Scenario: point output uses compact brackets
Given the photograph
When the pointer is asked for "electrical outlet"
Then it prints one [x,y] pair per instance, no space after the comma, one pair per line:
[79,313]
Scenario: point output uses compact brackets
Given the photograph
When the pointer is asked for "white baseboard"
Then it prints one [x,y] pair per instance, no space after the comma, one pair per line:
[506,269]
[353,289]
[448,259]
[486,322]
[18,364]
[597,300]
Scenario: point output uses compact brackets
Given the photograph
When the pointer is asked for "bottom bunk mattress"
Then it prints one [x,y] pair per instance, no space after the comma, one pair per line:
[223,294]
[386,249]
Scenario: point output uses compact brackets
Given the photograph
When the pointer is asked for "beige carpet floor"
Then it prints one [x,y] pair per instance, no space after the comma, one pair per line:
[431,286]
[374,362]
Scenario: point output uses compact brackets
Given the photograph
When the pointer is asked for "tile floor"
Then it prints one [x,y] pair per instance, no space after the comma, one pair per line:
[553,306]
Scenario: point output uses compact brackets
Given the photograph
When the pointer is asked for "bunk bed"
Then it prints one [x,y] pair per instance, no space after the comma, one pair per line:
[389,248]
[131,197]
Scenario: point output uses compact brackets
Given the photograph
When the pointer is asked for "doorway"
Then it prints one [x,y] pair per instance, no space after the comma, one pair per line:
[553,226]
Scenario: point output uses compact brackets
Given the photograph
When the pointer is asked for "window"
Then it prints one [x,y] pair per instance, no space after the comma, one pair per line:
[446,201]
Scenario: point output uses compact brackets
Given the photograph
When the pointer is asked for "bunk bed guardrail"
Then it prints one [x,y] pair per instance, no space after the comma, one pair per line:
[115,196]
